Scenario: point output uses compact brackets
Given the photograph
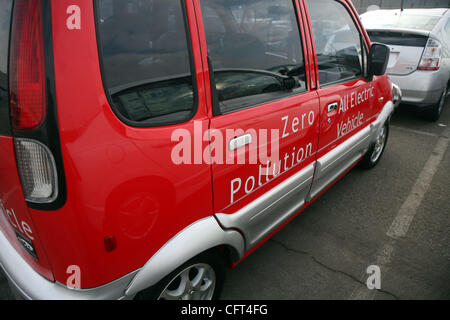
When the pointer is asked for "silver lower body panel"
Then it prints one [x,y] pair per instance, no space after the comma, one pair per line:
[337,161]
[258,219]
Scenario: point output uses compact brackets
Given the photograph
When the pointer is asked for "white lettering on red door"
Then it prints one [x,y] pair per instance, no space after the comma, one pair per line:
[351,124]
[349,101]
[269,170]
[355,98]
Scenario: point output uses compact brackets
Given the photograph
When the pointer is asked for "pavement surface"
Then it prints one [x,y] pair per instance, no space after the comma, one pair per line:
[395,217]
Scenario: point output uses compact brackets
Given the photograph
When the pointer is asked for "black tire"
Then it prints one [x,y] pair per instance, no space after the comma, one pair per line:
[434,114]
[213,258]
[371,159]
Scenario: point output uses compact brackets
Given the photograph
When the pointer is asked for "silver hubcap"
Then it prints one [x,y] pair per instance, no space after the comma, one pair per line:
[379,145]
[196,282]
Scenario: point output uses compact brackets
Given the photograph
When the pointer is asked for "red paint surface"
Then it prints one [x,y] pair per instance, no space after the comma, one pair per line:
[121,181]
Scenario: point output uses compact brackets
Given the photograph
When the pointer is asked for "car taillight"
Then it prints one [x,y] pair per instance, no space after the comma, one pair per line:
[27,69]
[37,171]
[28,103]
[431,57]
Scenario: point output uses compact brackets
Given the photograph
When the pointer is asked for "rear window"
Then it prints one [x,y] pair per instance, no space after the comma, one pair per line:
[396,20]
[398,38]
[146,60]
[5,25]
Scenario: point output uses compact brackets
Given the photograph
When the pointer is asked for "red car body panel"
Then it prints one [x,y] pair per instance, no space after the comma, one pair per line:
[121,180]
[268,116]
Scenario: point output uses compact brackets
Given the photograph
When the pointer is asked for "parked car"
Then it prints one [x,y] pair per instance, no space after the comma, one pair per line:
[115,114]
[419,62]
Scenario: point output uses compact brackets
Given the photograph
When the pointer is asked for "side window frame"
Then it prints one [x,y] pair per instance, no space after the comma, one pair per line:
[216,112]
[364,49]
[5,123]
[112,104]
[365,55]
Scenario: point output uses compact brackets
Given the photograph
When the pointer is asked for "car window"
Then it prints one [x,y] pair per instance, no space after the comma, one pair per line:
[5,25]
[396,20]
[337,40]
[5,21]
[255,51]
[146,60]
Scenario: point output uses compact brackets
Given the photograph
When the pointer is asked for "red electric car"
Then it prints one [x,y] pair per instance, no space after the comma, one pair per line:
[146,145]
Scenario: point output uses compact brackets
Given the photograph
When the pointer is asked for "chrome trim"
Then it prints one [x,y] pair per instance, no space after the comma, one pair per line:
[333,107]
[398,95]
[259,218]
[197,238]
[335,162]
[31,285]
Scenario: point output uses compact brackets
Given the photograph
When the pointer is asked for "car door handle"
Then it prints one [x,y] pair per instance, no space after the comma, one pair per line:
[333,107]
[240,142]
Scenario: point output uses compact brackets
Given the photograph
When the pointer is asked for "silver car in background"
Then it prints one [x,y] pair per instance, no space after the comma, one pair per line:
[419,62]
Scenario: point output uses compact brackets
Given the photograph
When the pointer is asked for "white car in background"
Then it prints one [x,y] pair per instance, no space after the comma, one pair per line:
[419,40]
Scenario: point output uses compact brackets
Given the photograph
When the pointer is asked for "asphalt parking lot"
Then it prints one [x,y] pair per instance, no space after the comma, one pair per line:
[396,216]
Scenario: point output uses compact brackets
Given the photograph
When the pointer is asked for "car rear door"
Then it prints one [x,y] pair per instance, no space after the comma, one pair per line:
[263,132]
[346,96]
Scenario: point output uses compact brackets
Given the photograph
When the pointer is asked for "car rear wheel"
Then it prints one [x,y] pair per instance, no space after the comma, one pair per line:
[435,112]
[375,153]
[201,278]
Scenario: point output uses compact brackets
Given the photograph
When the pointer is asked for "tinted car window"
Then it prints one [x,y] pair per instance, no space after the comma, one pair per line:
[146,60]
[397,38]
[255,49]
[5,24]
[338,42]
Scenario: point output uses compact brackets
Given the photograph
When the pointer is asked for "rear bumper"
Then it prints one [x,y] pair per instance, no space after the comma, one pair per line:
[421,88]
[26,283]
